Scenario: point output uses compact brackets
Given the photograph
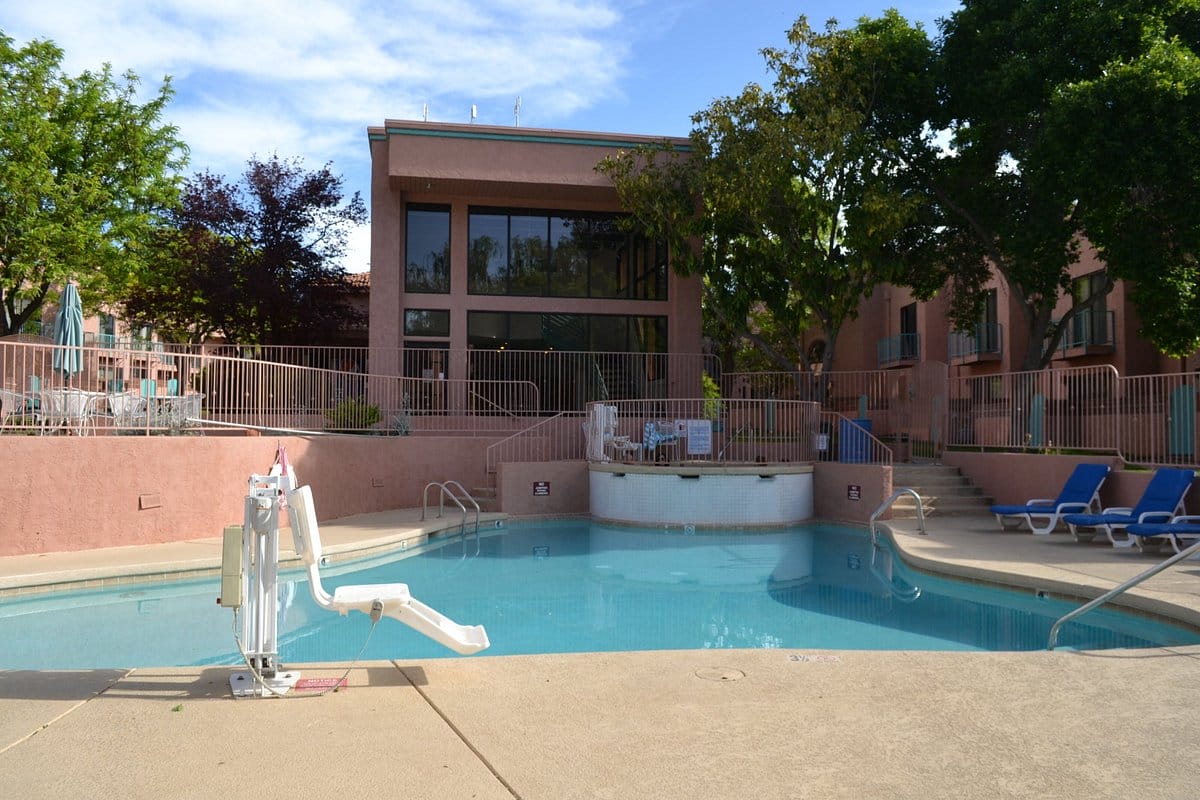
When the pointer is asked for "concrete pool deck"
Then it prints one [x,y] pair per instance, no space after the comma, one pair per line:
[687,724]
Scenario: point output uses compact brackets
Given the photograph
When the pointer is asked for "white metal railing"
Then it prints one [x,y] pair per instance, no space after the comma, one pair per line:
[558,438]
[446,490]
[153,391]
[854,393]
[566,379]
[846,440]
[682,431]
[736,431]
[1187,552]
[1148,420]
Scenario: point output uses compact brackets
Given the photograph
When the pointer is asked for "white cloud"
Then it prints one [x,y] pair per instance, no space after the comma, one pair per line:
[306,77]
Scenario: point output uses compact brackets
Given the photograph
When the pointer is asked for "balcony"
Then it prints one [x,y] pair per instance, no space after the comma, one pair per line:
[1090,333]
[898,350]
[983,343]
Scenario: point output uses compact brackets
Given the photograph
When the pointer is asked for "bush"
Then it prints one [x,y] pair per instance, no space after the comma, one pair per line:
[352,414]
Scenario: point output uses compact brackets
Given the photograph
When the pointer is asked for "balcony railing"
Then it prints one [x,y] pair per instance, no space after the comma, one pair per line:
[112,342]
[1089,332]
[900,348]
[984,342]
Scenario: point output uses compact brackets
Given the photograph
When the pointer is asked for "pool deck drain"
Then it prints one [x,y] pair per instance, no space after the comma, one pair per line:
[1062,724]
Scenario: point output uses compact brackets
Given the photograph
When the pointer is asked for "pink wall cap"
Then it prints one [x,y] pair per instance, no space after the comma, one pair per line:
[452,130]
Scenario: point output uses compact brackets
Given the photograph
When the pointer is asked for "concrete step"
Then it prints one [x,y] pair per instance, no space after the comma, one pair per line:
[941,508]
[948,490]
[486,497]
[943,489]
[929,480]
[918,472]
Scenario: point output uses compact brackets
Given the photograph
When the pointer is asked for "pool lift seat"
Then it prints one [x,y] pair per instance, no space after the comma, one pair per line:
[375,599]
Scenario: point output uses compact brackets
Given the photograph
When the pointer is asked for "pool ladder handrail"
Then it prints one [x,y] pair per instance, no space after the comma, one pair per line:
[886,504]
[1109,595]
[446,489]
[914,592]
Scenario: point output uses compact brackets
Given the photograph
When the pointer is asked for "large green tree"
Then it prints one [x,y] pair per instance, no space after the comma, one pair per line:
[1053,115]
[86,174]
[1130,139]
[257,261]
[794,197]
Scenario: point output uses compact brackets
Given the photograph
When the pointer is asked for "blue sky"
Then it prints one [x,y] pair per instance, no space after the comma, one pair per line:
[306,77]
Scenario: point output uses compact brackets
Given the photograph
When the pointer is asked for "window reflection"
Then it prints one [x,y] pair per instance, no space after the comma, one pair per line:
[562,255]
[427,249]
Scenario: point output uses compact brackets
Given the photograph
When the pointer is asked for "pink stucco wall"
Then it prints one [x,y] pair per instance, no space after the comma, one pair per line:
[77,493]
[567,485]
[833,497]
[1018,477]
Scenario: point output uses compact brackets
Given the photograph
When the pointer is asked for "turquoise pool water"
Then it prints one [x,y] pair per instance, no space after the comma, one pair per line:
[573,586]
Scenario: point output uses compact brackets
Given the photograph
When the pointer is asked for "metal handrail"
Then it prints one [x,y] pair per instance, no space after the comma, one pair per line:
[886,504]
[452,484]
[446,491]
[1129,584]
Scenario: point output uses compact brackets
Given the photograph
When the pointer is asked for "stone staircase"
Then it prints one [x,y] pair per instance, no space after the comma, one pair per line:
[486,497]
[945,492]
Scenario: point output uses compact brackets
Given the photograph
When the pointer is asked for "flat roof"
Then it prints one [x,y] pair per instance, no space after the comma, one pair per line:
[502,133]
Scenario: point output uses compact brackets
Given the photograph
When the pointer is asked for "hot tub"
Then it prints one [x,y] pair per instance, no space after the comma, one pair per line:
[701,494]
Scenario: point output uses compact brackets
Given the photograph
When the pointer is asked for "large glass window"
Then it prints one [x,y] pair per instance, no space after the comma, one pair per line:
[1089,327]
[426,322]
[570,240]
[500,330]
[487,256]
[569,357]
[557,254]
[427,249]
[528,254]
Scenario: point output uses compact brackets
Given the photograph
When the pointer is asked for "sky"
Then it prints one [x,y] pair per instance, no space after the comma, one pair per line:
[304,78]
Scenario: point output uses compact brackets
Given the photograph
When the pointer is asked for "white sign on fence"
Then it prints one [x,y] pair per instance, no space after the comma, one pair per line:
[699,437]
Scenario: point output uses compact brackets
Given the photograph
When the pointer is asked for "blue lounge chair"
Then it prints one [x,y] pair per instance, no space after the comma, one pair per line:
[1160,502]
[1181,532]
[1080,493]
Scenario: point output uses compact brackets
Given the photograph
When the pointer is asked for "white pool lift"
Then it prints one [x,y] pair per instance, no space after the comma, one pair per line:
[250,578]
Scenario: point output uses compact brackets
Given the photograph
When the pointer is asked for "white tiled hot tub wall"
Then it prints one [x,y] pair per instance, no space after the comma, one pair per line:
[719,500]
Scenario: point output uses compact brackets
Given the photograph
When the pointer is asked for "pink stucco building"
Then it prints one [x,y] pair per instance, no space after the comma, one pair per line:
[497,239]
[894,329]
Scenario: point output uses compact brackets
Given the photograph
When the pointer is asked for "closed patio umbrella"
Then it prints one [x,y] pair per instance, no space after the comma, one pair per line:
[68,333]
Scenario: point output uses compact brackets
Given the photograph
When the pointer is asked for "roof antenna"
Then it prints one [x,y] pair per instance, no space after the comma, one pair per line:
[474,112]
[517,113]
[425,112]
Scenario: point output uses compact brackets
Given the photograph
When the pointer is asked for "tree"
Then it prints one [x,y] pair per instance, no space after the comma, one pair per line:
[86,174]
[1027,102]
[1130,140]
[256,262]
[801,189]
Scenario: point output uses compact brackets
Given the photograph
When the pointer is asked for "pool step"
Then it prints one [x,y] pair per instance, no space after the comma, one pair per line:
[944,491]
[486,497]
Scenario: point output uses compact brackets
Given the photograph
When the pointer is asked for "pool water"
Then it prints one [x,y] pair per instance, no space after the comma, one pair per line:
[575,586]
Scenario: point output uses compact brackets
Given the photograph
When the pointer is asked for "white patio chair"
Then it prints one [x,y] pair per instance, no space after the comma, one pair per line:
[12,404]
[128,409]
[72,410]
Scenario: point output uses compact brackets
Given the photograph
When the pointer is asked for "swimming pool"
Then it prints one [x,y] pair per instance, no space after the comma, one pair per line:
[575,586]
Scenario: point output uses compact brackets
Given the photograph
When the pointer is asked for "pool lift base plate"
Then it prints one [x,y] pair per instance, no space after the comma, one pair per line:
[244,684]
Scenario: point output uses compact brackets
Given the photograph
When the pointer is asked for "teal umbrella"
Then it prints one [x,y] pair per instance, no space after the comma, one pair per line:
[68,333]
